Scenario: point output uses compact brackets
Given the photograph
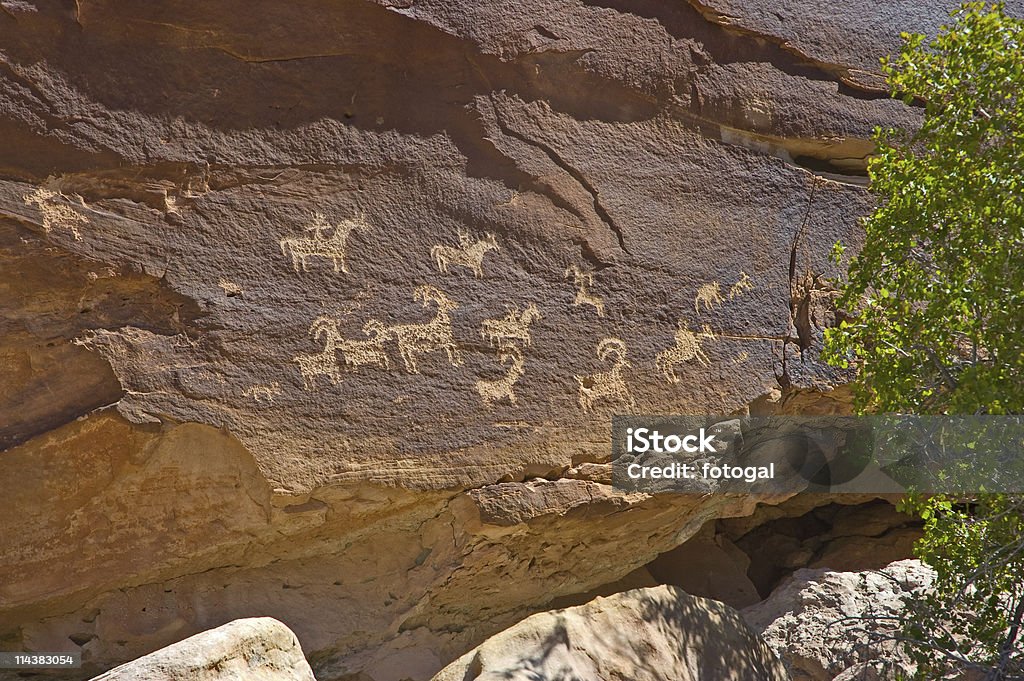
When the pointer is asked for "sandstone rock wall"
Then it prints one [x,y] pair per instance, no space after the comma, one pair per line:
[309,309]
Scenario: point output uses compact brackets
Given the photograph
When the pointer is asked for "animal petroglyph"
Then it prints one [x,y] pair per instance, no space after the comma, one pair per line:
[55,212]
[466,254]
[332,247]
[583,281]
[687,348]
[358,352]
[606,385]
[741,358]
[708,295]
[514,326]
[741,286]
[325,362]
[230,288]
[414,339]
[501,388]
[263,393]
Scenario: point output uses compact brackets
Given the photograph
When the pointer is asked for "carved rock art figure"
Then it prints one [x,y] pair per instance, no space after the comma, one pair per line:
[514,326]
[583,281]
[466,254]
[359,352]
[741,286]
[709,295]
[55,212]
[332,247]
[606,385]
[263,393]
[325,362]
[501,388]
[434,335]
[686,349]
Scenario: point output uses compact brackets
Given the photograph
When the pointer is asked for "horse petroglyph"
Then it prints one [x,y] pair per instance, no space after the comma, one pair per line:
[325,362]
[686,349]
[332,247]
[741,286]
[434,335]
[501,388]
[583,281]
[55,212]
[514,326]
[708,295]
[466,254]
[607,385]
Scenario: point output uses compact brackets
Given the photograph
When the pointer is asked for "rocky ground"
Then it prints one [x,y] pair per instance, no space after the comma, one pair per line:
[319,311]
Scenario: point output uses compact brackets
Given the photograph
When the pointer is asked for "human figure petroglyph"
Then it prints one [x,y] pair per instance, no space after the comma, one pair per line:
[514,326]
[466,254]
[434,335]
[325,362]
[709,295]
[741,286]
[686,349]
[606,385]
[583,281]
[55,212]
[331,247]
[501,388]
[372,351]
[263,393]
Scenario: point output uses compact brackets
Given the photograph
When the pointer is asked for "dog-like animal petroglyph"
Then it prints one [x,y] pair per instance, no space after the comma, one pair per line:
[371,351]
[502,388]
[741,286]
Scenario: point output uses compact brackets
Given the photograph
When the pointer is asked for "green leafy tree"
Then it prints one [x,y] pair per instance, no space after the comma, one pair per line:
[935,316]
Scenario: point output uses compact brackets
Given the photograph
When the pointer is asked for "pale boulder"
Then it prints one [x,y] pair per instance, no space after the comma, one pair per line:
[653,634]
[253,649]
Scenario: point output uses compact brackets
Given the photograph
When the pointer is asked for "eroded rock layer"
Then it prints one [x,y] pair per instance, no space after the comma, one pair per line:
[320,310]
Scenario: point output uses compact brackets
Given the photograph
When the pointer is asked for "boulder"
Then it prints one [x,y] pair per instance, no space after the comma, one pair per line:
[644,635]
[818,621]
[254,649]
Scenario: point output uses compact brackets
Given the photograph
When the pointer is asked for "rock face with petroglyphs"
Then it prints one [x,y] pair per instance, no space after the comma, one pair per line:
[319,311]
